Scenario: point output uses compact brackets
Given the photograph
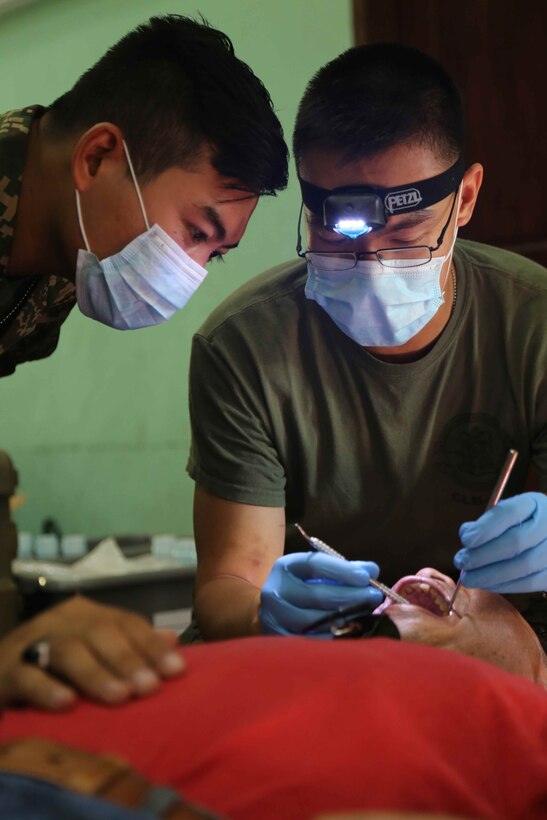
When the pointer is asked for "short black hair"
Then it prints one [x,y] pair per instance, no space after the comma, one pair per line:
[174,87]
[373,97]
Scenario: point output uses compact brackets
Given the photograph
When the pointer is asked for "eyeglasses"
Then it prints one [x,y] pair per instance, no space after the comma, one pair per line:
[388,257]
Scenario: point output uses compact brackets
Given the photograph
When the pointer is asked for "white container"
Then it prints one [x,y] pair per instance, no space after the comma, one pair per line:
[25,542]
[162,545]
[46,547]
[184,551]
[73,546]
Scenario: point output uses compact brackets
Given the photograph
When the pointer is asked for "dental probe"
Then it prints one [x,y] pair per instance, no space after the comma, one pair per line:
[320,546]
[494,498]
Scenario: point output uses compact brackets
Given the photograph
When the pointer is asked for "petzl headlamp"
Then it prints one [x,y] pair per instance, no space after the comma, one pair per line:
[354,210]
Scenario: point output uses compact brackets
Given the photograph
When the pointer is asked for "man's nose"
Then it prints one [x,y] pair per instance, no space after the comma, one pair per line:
[368,243]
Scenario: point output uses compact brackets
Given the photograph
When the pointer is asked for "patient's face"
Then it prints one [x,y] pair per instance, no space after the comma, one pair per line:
[483,624]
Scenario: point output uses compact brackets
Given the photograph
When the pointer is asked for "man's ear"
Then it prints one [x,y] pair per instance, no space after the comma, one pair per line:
[94,151]
[471,184]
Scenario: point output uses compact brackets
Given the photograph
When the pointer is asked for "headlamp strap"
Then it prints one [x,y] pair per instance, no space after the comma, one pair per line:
[397,200]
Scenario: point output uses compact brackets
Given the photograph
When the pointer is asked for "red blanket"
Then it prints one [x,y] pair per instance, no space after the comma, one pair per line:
[286,728]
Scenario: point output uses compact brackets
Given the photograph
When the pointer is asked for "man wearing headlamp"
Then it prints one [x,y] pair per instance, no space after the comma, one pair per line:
[390,309]
[372,394]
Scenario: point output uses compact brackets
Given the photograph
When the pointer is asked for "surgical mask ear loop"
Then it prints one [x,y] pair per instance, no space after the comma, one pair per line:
[449,254]
[299,234]
[136,184]
[139,197]
[81,221]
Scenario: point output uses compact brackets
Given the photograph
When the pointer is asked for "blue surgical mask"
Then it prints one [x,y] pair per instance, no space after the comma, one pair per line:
[378,306]
[142,285]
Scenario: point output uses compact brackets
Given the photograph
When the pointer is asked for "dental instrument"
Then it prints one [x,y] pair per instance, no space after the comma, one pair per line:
[494,498]
[320,546]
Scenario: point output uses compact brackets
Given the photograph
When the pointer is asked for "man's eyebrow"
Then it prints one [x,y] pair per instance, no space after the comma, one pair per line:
[413,218]
[213,217]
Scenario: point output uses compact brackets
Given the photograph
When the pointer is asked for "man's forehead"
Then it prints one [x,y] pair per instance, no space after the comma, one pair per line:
[201,180]
[399,165]
[229,196]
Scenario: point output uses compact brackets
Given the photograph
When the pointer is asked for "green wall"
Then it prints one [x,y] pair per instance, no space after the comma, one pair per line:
[99,431]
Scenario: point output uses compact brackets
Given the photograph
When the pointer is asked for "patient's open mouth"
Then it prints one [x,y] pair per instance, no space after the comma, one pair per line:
[426,593]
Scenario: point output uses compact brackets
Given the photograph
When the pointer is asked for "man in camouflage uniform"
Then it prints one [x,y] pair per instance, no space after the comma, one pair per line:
[165,146]
[33,309]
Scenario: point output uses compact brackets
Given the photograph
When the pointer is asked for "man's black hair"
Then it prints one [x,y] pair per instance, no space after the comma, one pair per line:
[373,97]
[174,87]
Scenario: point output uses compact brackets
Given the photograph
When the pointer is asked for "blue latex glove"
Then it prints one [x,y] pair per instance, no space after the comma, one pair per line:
[305,586]
[505,550]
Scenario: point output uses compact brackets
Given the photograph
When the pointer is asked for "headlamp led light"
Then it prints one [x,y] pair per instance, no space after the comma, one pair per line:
[353,212]
[360,209]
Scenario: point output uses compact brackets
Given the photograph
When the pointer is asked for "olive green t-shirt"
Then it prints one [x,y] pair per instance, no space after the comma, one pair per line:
[383,461]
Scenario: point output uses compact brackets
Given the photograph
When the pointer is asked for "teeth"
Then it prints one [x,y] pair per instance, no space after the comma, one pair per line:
[438,600]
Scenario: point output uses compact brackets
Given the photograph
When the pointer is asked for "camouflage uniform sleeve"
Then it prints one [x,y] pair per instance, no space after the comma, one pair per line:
[31,310]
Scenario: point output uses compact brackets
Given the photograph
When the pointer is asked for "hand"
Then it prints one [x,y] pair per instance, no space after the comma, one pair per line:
[304,586]
[102,652]
[505,550]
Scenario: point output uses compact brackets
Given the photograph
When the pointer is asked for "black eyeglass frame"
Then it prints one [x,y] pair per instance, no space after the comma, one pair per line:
[362,254]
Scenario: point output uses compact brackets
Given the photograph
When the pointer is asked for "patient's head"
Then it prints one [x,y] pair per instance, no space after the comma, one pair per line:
[483,624]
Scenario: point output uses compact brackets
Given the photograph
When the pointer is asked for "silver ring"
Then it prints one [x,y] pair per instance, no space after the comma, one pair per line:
[37,654]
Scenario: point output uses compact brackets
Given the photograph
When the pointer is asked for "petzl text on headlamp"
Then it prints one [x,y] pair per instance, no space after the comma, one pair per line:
[355,210]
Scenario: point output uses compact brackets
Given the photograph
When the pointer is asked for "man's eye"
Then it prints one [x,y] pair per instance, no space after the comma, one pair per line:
[331,238]
[216,255]
[399,242]
[199,236]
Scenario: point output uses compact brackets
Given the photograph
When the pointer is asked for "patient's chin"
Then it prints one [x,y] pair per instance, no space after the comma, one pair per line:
[497,635]
[483,625]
